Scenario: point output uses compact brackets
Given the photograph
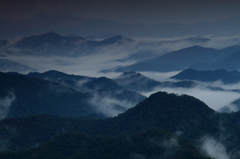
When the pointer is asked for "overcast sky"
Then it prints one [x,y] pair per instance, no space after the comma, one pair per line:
[130,11]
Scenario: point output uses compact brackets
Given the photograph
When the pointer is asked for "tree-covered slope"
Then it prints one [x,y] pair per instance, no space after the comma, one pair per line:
[171,112]
[23,96]
[56,76]
[151,144]
[102,89]
[142,130]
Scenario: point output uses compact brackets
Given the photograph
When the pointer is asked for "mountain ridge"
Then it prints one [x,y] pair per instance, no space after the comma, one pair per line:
[227,77]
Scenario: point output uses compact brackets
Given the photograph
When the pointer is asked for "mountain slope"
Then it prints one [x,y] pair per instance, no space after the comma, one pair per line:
[168,111]
[57,76]
[136,81]
[188,56]
[53,44]
[209,76]
[230,62]
[183,115]
[175,61]
[151,144]
[231,107]
[30,96]
[8,65]
[140,83]
[102,88]
[161,110]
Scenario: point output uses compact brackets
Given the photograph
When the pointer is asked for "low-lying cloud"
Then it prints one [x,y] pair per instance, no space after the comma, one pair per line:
[160,76]
[213,148]
[5,104]
[106,57]
[109,107]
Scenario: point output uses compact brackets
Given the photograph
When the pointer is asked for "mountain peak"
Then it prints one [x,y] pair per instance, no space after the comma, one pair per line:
[168,111]
[115,39]
[136,81]
[132,73]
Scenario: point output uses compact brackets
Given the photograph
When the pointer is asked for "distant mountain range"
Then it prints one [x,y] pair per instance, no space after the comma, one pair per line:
[68,24]
[148,55]
[53,44]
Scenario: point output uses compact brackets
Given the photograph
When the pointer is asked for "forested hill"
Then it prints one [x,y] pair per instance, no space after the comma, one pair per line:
[151,144]
[182,116]
[24,96]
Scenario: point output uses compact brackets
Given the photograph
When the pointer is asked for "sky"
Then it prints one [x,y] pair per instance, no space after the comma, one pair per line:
[127,11]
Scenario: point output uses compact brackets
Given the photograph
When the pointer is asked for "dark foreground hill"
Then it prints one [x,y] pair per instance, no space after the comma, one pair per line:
[164,125]
[160,110]
[152,144]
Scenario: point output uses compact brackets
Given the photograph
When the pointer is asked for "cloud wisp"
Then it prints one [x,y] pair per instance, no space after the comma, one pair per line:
[109,107]
[5,104]
[213,148]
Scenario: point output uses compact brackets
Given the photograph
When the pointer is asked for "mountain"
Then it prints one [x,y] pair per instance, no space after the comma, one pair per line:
[114,40]
[226,77]
[105,91]
[175,61]
[161,110]
[145,67]
[230,62]
[104,88]
[24,96]
[231,49]
[53,44]
[170,112]
[136,81]
[9,65]
[164,124]
[57,76]
[187,56]
[231,107]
